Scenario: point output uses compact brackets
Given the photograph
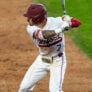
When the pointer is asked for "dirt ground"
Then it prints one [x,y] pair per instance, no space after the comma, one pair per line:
[17,52]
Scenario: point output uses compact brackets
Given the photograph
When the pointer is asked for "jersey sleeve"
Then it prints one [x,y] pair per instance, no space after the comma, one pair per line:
[34,32]
[30,30]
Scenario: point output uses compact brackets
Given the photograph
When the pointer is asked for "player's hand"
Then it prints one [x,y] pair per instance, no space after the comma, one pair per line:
[73,22]
[66,18]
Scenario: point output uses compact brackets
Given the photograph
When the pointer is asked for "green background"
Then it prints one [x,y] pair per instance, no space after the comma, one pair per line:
[80,9]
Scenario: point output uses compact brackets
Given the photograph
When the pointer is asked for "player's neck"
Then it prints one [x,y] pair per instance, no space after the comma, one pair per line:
[41,25]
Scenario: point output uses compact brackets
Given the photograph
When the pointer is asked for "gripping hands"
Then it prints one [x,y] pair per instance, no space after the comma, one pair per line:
[73,22]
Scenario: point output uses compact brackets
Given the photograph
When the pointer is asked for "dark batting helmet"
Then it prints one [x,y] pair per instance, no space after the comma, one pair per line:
[36,12]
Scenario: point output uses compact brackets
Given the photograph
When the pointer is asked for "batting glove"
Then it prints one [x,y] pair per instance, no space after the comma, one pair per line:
[75,23]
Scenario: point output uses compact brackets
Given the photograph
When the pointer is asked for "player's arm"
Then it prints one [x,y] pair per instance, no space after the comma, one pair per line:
[37,33]
[50,33]
[45,34]
[67,23]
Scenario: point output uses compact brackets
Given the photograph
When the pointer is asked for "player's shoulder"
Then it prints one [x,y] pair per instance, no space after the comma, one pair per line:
[30,29]
[54,19]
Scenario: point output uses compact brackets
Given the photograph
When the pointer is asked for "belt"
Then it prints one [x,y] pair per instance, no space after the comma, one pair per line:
[47,59]
[58,55]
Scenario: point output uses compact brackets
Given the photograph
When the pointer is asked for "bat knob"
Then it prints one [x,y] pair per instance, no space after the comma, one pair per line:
[64,12]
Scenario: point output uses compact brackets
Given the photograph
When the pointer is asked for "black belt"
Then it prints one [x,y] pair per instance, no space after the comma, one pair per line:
[58,55]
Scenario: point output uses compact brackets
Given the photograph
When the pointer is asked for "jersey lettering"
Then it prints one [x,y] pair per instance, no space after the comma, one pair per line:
[49,42]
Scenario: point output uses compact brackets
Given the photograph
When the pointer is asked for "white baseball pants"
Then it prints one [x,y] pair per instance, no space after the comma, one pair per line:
[39,69]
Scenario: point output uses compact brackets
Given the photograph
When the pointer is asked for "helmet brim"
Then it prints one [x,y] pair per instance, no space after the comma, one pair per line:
[26,15]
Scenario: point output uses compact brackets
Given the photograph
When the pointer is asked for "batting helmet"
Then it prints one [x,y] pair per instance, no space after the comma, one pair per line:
[37,12]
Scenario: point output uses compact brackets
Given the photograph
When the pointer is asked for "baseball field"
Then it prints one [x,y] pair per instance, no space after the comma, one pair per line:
[17,51]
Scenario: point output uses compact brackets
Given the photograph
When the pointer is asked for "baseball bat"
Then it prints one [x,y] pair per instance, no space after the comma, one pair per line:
[63,6]
[64,12]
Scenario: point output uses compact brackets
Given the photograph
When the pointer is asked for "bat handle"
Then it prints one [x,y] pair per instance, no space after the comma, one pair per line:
[64,12]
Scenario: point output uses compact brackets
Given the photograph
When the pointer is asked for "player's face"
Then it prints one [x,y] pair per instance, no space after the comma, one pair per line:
[30,21]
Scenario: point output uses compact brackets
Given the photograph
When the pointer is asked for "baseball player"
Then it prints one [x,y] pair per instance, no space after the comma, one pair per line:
[48,35]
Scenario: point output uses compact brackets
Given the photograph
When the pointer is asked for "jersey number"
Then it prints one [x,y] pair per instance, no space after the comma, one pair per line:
[59,47]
